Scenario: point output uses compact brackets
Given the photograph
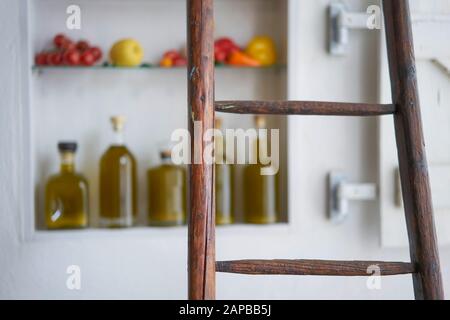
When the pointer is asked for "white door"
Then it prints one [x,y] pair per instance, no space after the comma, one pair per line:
[431,27]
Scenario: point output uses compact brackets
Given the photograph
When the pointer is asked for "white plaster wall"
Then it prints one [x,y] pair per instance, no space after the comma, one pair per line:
[152,263]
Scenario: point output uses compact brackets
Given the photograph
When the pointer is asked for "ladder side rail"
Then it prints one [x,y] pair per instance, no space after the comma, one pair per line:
[411,151]
[201,232]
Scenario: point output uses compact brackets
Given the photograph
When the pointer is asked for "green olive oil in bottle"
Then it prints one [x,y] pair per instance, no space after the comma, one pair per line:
[118,187]
[166,193]
[223,190]
[67,195]
[261,191]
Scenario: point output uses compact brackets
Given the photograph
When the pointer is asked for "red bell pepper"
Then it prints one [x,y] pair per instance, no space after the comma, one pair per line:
[223,47]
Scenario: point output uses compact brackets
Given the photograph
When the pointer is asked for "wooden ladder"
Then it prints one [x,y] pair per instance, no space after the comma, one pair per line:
[405,108]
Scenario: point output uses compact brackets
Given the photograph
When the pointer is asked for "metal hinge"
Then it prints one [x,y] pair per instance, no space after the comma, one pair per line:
[341,21]
[341,192]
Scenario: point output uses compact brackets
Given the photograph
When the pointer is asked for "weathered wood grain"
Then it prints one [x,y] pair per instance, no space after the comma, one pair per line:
[313,267]
[411,151]
[201,218]
[321,108]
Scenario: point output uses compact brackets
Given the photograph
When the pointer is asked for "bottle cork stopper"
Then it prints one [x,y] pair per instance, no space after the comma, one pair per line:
[165,154]
[118,122]
[67,146]
[260,121]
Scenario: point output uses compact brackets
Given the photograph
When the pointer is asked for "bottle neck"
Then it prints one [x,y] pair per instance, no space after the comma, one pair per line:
[118,138]
[260,144]
[219,149]
[67,162]
[260,123]
[166,161]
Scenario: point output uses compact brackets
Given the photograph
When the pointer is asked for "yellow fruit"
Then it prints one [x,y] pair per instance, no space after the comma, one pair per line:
[262,49]
[126,53]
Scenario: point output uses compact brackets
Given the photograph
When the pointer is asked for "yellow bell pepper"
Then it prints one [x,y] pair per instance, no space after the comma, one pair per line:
[262,49]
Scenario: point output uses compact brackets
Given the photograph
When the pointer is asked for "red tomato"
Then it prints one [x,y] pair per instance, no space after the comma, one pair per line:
[72,57]
[226,44]
[41,59]
[96,52]
[179,62]
[68,45]
[82,45]
[59,40]
[220,55]
[87,58]
[55,59]
[172,54]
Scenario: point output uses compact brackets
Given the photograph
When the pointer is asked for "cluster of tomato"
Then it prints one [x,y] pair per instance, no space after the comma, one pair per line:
[70,53]
[173,58]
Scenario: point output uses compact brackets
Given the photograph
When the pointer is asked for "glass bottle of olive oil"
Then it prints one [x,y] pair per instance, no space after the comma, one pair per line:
[118,187]
[223,181]
[66,194]
[261,191]
[166,193]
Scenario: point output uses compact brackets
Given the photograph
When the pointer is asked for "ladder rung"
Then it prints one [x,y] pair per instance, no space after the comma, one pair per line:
[313,267]
[304,108]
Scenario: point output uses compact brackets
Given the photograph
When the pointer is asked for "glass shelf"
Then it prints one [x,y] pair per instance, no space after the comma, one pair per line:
[180,232]
[147,67]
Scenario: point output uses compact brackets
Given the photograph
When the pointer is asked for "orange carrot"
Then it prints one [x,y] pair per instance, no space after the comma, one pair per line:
[238,58]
